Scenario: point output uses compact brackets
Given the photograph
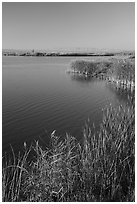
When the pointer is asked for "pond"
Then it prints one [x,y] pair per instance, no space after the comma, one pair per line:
[38,97]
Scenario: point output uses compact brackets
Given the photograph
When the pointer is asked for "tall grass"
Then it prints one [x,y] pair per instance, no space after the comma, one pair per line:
[121,69]
[99,169]
[90,67]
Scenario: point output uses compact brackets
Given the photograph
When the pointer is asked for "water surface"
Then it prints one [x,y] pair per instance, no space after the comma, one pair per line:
[39,97]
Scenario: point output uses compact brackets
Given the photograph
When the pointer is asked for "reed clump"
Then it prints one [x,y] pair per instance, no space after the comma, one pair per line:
[118,70]
[123,69]
[100,169]
[90,67]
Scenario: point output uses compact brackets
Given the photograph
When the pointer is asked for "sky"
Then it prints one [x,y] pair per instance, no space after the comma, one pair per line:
[53,25]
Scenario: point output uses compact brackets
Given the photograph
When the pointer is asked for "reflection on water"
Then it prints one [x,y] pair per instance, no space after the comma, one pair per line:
[122,94]
[81,78]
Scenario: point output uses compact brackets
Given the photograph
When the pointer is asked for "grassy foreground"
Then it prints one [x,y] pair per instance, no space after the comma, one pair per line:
[100,169]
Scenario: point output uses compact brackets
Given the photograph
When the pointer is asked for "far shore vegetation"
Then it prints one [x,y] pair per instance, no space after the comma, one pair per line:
[40,53]
[100,169]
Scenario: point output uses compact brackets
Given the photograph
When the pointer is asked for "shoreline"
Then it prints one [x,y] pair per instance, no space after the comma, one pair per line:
[120,72]
[68,54]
